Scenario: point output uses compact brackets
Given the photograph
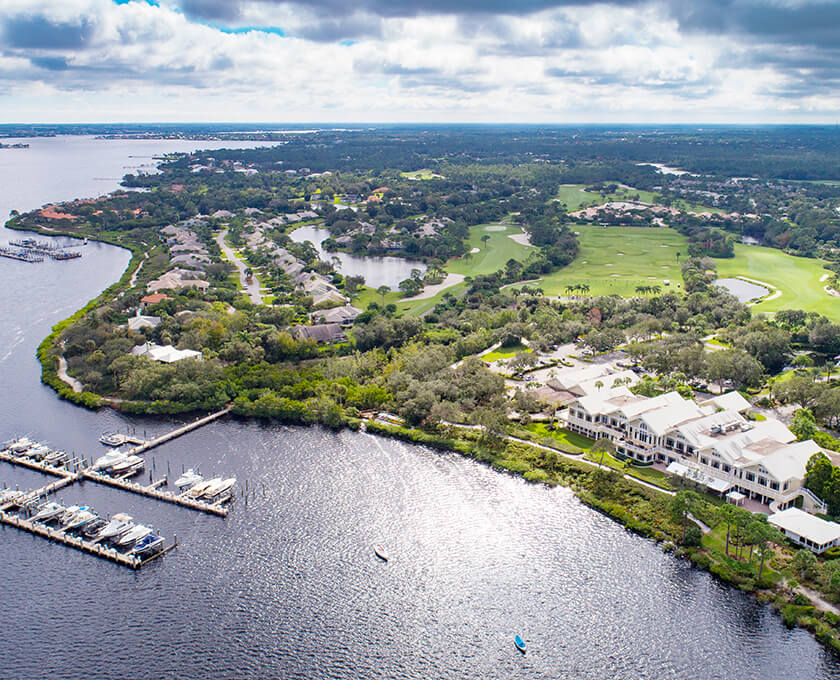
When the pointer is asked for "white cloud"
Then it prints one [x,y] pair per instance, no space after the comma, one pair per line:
[138,61]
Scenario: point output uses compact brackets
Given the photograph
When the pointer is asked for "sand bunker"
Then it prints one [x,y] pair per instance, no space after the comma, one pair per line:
[495,227]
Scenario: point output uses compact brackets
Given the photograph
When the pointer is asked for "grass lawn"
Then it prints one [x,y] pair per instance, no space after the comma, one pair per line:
[650,475]
[567,440]
[504,352]
[614,260]
[575,198]
[798,279]
[425,173]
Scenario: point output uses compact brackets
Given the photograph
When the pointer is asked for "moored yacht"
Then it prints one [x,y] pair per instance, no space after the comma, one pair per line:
[189,478]
[119,524]
[135,534]
[79,520]
[199,489]
[48,512]
[220,489]
[70,512]
[110,459]
[21,444]
[55,457]
[129,465]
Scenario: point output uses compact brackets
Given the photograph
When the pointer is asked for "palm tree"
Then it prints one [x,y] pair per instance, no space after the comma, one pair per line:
[604,446]
[484,239]
[383,291]
[583,288]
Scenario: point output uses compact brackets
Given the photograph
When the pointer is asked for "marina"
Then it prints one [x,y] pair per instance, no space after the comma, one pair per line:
[114,470]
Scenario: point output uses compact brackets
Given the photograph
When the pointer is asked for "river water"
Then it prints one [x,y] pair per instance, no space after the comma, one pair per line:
[288,587]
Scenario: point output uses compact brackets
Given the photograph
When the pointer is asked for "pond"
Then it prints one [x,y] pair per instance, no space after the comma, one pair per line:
[743,290]
[378,271]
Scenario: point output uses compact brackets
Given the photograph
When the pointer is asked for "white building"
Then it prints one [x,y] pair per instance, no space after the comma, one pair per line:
[808,531]
[712,440]
[165,353]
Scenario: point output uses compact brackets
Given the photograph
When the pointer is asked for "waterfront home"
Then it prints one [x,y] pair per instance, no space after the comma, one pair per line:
[760,459]
[175,280]
[164,353]
[811,532]
[138,322]
[153,299]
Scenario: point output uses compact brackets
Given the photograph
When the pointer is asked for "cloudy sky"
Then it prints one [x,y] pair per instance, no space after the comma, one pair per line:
[739,61]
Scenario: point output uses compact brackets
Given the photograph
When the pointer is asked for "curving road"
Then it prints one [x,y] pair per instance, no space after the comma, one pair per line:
[253,288]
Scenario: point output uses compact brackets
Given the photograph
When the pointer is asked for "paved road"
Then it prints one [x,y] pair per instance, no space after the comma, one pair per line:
[62,375]
[253,288]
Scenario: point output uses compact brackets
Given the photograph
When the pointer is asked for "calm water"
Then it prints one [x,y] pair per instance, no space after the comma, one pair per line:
[378,271]
[289,586]
[743,290]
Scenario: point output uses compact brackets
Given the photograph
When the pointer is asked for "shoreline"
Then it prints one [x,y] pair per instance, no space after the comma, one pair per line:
[564,471]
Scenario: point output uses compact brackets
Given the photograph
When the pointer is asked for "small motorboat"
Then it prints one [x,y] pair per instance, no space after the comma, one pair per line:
[520,643]
[135,534]
[119,524]
[79,520]
[148,545]
[130,465]
[48,512]
[381,553]
[189,478]
[112,439]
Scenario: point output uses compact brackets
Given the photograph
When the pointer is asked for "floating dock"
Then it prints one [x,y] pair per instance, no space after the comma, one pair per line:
[151,492]
[40,466]
[97,549]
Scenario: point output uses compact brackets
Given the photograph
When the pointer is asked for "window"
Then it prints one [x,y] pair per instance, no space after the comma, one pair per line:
[787,484]
[715,464]
[762,481]
[726,468]
[750,476]
[774,486]
[704,460]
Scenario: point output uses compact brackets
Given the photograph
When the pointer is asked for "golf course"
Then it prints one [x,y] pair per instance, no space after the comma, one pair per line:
[796,278]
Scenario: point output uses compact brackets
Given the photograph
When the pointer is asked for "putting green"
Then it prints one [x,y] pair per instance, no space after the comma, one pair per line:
[797,278]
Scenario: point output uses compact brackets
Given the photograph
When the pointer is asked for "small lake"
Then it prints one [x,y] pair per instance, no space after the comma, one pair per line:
[378,271]
[743,290]
[667,169]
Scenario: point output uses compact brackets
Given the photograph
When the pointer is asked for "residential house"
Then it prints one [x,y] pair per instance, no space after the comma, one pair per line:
[814,533]
[322,334]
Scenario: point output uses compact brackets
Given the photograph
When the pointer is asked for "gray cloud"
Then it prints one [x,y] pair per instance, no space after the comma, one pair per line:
[212,10]
[38,32]
[50,63]
[342,28]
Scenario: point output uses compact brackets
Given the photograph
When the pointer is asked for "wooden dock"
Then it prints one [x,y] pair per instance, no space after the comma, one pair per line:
[59,536]
[23,461]
[169,436]
[150,492]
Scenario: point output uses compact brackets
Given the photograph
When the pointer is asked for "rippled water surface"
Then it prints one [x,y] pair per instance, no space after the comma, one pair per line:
[288,586]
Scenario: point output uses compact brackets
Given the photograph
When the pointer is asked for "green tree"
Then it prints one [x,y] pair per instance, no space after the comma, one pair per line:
[803,563]
[680,507]
[383,291]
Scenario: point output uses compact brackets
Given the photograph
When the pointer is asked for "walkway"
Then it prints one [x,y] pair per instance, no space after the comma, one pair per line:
[133,279]
[253,288]
[431,291]
[75,385]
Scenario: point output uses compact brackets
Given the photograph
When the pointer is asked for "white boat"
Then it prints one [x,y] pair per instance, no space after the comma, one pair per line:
[10,495]
[70,512]
[135,534]
[112,439]
[147,545]
[381,553]
[37,452]
[79,520]
[119,524]
[21,445]
[220,489]
[109,459]
[189,478]
[55,457]
[128,466]
[48,512]
[199,489]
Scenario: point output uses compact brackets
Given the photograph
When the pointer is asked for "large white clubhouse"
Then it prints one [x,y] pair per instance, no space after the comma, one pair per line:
[710,441]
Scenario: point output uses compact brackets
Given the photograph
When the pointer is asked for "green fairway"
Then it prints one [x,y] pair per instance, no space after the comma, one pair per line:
[493,254]
[575,197]
[797,278]
[425,173]
[614,260]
